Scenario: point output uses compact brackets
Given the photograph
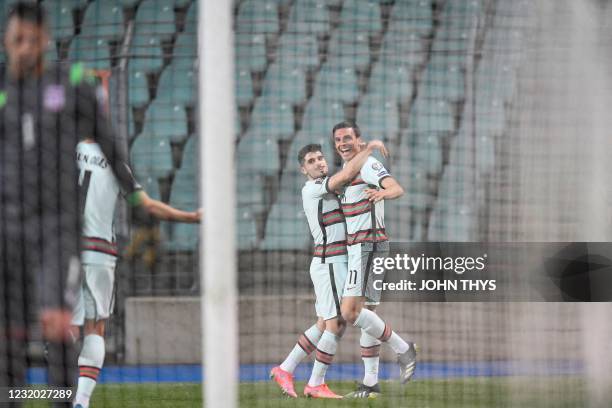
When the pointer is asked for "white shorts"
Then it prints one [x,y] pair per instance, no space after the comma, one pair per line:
[95,298]
[328,281]
[360,278]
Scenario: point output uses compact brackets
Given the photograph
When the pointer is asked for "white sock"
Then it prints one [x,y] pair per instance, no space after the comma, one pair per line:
[307,343]
[90,363]
[326,349]
[376,327]
[370,352]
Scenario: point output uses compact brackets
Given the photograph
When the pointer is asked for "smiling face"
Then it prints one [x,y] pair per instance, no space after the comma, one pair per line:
[314,166]
[346,143]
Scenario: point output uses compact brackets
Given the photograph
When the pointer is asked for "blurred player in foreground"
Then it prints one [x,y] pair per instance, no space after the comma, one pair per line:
[100,190]
[363,208]
[327,269]
[44,111]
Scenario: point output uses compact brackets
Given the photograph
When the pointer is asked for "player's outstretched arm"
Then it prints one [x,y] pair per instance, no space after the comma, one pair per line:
[163,211]
[353,167]
[390,190]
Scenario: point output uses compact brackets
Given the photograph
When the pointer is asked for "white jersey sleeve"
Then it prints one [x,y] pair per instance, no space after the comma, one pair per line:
[373,172]
[316,189]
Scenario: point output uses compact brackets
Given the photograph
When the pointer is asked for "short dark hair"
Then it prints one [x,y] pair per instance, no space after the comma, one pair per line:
[309,148]
[28,11]
[347,124]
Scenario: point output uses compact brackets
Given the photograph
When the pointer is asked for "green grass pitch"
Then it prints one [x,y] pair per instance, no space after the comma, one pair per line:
[485,392]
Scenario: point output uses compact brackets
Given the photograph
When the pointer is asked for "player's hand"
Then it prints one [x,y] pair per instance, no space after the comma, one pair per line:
[56,324]
[380,146]
[374,195]
[197,216]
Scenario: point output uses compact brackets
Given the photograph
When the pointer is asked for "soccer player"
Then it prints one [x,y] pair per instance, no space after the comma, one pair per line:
[363,208]
[44,111]
[100,191]
[327,269]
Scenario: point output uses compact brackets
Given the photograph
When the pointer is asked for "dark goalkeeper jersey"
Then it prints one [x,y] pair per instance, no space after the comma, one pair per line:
[41,122]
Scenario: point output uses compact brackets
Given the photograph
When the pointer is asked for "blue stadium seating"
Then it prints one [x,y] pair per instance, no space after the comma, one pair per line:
[303,137]
[432,116]
[257,154]
[138,88]
[403,49]
[246,229]
[378,118]
[165,121]
[252,194]
[445,81]
[94,53]
[272,117]
[257,17]
[177,86]
[391,82]
[285,84]
[151,156]
[61,18]
[320,116]
[360,16]
[491,117]
[336,83]
[145,52]
[299,51]
[244,87]
[103,18]
[156,18]
[412,16]
[309,17]
[250,52]
[286,228]
[348,50]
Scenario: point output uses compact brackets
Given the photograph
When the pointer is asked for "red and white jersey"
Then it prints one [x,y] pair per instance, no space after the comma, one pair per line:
[99,190]
[365,222]
[325,220]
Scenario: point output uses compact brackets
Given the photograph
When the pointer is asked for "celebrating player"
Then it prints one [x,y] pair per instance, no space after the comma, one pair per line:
[100,191]
[363,208]
[327,269]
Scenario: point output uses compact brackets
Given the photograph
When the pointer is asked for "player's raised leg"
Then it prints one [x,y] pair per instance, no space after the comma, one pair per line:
[306,344]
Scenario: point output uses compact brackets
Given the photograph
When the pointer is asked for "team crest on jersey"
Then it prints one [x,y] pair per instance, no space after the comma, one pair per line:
[377,166]
[54,98]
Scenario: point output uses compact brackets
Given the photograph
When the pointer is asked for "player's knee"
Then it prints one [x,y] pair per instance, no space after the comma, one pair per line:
[350,313]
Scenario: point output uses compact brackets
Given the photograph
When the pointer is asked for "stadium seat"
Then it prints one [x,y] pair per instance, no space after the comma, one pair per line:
[431,116]
[61,18]
[453,224]
[177,86]
[491,117]
[444,81]
[461,14]
[145,53]
[250,52]
[297,50]
[189,160]
[309,17]
[257,154]
[250,191]
[155,18]
[138,88]
[285,83]
[246,229]
[403,49]
[165,121]
[397,219]
[348,50]
[94,53]
[412,16]
[183,237]
[151,156]
[495,79]
[391,82]
[191,19]
[334,83]
[378,118]
[485,154]
[360,16]
[50,54]
[244,87]
[272,117]
[426,153]
[321,115]
[185,47]
[292,181]
[184,191]
[286,228]
[257,17]
[103,19]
